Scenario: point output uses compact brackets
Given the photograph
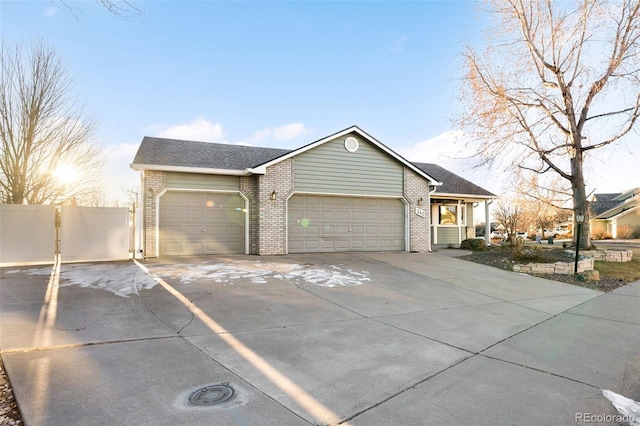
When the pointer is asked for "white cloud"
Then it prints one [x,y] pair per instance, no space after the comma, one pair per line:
[398,44]
[199,129]
[282,133]
[442,148]
[122,151]
[448,151]
[50,12]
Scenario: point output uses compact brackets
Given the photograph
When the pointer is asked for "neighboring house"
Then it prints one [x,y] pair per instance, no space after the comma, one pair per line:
[345,192]
[614,212]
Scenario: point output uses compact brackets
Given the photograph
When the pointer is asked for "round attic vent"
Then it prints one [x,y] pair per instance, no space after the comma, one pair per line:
[351,144]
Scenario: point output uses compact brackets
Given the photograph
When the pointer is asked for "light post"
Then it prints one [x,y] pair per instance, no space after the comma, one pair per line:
[579,219]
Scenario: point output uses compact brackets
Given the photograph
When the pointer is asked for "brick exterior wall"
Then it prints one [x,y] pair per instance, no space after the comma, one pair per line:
[155,181]
[416,187]
[272,219]
[249,188]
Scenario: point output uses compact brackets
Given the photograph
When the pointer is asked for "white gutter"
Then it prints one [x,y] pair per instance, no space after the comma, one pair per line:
[481,197]
[183,169]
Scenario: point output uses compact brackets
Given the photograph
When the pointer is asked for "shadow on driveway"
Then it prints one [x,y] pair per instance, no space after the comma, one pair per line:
[382,338]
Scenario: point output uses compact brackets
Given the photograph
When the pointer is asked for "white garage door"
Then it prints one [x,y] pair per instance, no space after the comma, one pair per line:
[319,223]
[193,223]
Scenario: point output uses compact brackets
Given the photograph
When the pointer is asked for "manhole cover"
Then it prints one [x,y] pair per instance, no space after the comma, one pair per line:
[211,395]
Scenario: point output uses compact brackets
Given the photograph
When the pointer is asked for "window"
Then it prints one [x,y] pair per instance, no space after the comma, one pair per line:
[448,215]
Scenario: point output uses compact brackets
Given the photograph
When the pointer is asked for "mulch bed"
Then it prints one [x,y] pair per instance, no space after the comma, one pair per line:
[503,257]
[9,413]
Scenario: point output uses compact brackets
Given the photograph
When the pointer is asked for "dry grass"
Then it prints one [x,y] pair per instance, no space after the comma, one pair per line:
[628,271]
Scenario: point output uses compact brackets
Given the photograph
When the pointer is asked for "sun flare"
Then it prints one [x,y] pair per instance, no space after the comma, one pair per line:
[66,174]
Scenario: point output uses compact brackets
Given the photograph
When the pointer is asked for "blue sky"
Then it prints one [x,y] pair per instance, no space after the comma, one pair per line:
[277,74]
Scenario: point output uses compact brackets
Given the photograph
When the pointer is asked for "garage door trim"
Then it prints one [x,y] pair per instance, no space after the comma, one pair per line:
[164,191]
[407,222]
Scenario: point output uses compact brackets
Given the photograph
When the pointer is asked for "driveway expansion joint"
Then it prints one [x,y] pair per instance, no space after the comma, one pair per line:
[528,367]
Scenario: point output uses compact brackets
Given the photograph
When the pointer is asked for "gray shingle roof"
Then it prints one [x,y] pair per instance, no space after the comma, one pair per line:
[604,202]
[451,182]
[180,153]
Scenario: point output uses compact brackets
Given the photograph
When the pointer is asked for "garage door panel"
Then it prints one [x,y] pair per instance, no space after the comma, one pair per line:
[194,246]
[172,247]
[343,244]
[372,230]
[184,215]
[372,216]
[343,230]
[357,244]
[193,231]
[343,215]
[310,245]
[345,224]
[327,214]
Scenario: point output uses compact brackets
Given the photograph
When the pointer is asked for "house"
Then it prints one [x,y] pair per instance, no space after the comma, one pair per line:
[344,192]
[615,214]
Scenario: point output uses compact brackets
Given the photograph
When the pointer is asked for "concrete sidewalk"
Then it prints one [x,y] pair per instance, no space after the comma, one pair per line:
[385,338]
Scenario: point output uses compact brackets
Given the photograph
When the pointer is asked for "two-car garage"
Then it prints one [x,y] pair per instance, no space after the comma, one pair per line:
[320,223]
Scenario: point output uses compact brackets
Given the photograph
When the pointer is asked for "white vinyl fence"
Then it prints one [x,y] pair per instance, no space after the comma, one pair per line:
[94,233]
[29,234]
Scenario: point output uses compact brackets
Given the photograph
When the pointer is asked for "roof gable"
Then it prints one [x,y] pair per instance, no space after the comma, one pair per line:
[606,206]
[361,133]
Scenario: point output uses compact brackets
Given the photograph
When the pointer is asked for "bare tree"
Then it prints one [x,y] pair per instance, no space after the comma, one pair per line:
[510,214]
[544,201]
[47,156]
[557,81]
[120,8]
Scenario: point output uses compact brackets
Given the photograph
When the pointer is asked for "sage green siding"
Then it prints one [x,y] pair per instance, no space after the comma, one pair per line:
[330,168]
[470,219]
[448,235]
[202,181]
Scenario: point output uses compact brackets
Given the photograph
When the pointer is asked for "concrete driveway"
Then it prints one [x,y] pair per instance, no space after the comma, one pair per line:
[376,339]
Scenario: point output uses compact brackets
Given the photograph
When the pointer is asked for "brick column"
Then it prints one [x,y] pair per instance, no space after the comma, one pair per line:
[249,188]
[272,219]
[155,181]
[416,187]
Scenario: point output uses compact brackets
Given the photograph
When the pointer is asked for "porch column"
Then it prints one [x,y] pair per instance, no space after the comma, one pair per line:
[487,223]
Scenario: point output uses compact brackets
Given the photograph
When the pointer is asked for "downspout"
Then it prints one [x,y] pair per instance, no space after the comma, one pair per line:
[487,222]
[143,234]
[431,191]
